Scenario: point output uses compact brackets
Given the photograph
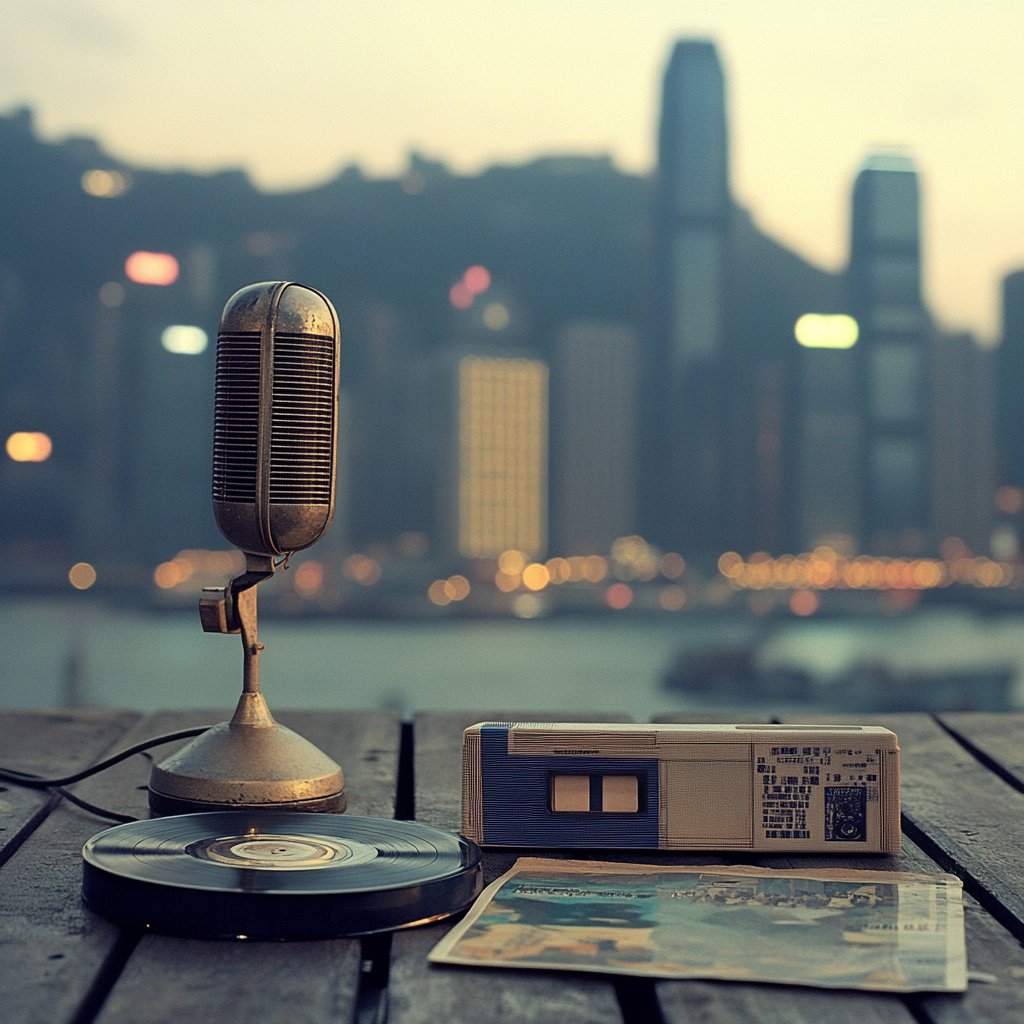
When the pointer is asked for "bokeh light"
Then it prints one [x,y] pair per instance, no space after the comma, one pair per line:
[28,446]
[112,294]
[362,569]
[672,598]
[813,330]
[536,576]
[170,574]
[157,268]
[82,575]
[527,606]
[558,570]
[309,578]
[506,582]
[803,603]
[619,596]
[1009,500]
[106,184]
[460,296]
[496,316]
[184,340]
[457,587]
[512,562]
[199,566]
[477,280]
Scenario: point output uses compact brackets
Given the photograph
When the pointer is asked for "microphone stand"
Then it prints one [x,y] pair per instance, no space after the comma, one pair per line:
[250,762]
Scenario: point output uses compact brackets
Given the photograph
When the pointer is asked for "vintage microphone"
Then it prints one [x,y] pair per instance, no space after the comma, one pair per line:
[274,443]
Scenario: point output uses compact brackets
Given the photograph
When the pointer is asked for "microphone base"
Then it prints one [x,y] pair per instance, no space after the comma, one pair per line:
[160,806]
[249,763]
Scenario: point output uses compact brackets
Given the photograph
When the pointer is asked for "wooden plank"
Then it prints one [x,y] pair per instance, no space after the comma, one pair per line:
[422,993]
[58,956]
[964,816]
[685,1002]
[995,739]
[418,991]
[51,948]
[51,744]
[174,981]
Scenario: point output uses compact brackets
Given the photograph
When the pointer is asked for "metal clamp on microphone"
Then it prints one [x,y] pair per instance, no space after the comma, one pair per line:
[274,445]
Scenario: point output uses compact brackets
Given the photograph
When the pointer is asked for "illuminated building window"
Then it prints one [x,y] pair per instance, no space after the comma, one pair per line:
[503,445]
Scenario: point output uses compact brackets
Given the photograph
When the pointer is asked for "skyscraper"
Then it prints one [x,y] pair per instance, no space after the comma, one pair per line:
[1010,385]
[830,477]
[594,406]
[962,460]
[494,448]
[885,288]
[686,440]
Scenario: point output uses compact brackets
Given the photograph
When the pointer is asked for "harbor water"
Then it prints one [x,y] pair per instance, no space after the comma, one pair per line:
[88,653]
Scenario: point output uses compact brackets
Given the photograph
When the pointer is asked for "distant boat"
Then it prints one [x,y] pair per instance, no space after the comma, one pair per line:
[732,676]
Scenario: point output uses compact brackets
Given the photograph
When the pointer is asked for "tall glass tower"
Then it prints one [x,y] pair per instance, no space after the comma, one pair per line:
[885,281]
[1010,363]
[686,449]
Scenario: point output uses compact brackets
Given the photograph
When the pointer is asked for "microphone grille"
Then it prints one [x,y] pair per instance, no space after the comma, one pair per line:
[302,435]
[302,423]
[236,417]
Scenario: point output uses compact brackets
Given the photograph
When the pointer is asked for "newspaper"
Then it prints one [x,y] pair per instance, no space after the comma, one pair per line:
[880,930]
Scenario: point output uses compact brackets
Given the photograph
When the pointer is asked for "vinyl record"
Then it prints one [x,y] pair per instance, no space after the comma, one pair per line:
[277,875]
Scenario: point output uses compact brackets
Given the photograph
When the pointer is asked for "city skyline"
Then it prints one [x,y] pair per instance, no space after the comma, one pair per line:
[811,90]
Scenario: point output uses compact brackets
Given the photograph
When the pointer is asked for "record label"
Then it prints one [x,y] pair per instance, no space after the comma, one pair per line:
[280,853]
[277,875]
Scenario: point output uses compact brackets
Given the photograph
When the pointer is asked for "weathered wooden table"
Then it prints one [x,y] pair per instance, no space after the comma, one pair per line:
[963,811]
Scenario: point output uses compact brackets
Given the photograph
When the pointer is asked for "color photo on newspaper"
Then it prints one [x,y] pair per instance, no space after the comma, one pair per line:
[882,930]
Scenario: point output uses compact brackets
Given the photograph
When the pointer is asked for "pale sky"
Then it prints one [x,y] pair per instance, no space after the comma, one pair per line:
[293,91]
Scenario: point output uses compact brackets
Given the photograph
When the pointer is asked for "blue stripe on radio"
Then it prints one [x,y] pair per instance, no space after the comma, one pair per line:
[517,799]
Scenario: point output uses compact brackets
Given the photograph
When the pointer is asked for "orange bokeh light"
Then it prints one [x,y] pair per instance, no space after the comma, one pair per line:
[804,603]
[362,569]
[1009,500]
[159,268]
[25,446]
[309,578]
[536,576]
[619,596]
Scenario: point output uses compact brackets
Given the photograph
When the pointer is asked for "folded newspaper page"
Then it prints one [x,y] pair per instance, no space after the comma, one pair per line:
[880,930]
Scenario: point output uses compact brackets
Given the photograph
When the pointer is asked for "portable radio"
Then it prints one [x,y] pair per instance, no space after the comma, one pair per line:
[777,788]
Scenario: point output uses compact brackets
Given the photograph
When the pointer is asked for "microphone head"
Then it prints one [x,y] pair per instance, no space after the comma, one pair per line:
[275,417]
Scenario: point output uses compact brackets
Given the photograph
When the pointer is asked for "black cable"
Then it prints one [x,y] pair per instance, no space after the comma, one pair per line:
[102,812]
[30,781]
